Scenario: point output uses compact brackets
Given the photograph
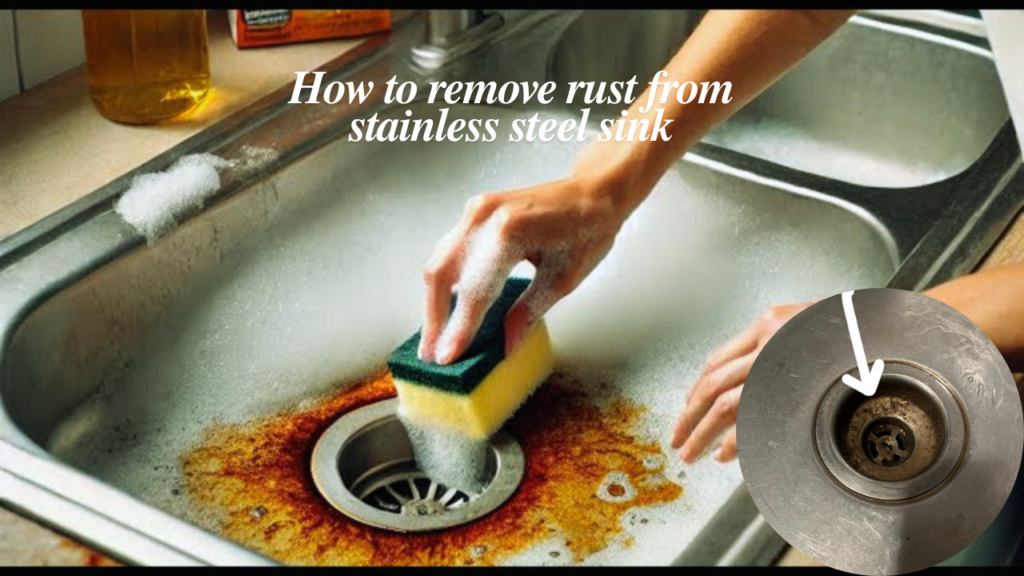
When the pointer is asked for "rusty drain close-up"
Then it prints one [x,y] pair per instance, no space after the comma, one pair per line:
[899,443]
[888,481]
[364,466]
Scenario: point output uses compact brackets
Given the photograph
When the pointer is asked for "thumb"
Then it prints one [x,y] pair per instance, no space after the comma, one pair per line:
[542,293]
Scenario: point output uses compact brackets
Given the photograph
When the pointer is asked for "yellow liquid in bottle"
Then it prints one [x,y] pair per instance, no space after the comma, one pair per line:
[146,65]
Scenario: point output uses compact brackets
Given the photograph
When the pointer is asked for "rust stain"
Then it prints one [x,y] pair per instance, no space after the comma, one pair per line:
[85,556]
[255,478]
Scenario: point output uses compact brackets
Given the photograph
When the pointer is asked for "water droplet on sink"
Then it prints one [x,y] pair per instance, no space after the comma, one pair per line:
[654,461]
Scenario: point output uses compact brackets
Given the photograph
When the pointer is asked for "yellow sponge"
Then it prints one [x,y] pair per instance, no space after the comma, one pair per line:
[479,414]
[476,394]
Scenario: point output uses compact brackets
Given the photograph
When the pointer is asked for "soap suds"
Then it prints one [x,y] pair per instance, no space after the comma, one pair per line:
[448,457]
[156,201]
[256,158]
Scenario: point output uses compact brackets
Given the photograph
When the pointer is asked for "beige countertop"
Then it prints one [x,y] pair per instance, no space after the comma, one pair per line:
[55,148]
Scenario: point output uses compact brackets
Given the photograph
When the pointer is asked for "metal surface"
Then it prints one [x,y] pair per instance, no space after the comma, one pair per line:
[925,518]
[85,508]
[80,287]
[364,466]
[445,26]
[452,34]
[942,19]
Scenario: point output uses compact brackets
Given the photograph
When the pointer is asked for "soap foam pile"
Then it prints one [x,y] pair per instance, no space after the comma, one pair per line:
[156,201]
[318,298]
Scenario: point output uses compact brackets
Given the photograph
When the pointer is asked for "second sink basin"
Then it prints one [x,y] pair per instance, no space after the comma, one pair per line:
[875,104]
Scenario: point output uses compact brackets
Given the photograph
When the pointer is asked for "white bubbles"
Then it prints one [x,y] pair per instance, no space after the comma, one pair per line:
[447,457]
[156,201]
[484,270]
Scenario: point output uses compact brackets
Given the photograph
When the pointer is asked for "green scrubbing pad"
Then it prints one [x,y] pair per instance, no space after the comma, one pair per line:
[485,352]
[475,395]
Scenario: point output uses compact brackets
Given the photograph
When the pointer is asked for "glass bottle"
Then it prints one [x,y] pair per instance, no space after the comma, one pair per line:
[146,65]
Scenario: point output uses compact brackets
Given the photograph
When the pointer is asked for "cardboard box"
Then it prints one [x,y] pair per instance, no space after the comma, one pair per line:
[251,28]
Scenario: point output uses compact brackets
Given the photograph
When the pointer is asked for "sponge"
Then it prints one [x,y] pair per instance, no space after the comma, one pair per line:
[477,393]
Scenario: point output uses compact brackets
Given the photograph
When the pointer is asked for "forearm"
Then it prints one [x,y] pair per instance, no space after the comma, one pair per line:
[992,300]
[749,48]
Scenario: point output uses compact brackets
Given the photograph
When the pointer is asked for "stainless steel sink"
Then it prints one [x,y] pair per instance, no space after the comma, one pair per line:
[304,272]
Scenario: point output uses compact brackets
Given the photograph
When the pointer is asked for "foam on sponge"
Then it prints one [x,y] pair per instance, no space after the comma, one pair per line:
[477,393]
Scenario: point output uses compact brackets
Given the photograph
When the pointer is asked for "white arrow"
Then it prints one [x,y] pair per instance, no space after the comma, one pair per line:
[868,382]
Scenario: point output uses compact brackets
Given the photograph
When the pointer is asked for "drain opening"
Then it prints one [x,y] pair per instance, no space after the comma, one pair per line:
[365,467]
[894,434]
[896,444]
[412,493]
[888,442]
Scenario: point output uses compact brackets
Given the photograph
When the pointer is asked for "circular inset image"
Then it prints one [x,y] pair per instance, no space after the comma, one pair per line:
[880,472]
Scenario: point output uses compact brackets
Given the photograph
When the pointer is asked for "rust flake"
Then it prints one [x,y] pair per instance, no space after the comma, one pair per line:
[255,478]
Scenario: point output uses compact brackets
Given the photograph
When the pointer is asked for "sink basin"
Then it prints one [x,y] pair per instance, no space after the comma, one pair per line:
[311,278]
[119,356]
[875,104]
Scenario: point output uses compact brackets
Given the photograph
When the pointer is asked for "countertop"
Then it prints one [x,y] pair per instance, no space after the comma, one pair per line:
[55,148]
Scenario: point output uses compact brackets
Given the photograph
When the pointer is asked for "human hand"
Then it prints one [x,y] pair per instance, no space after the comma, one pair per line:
[714,399]
[564,228]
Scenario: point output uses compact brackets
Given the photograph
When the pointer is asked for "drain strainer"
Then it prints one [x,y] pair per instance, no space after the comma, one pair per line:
[893,482]
[364,466]
[896,444]
[886,443]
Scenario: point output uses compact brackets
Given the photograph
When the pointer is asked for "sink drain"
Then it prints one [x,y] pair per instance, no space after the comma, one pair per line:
[899,443]
[889,483]
[364,466]
[887,443]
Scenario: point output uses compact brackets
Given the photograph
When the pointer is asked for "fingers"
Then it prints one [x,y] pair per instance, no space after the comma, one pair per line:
[713,401]
[444,268]
[721,415]
[558,274]
[546,289]
[741,345]
[727,451]
[705,393]
[439,276]
[465,321]
[483,279]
